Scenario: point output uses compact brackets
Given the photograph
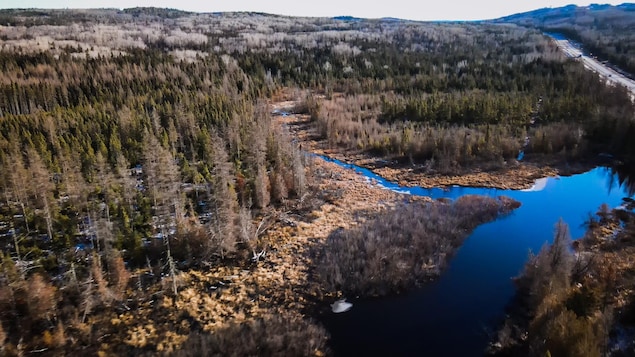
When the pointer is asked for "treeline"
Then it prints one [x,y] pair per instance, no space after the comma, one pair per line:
[411,59]
[492,90]
[563,113]
[480,98]
[570,94]
[351,123]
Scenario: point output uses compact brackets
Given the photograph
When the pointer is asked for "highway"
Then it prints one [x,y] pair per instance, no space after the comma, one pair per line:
[594,65]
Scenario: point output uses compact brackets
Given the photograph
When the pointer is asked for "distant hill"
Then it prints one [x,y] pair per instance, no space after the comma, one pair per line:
[361,19]
[155,11]
[347,18]
[595,15]
[605,30]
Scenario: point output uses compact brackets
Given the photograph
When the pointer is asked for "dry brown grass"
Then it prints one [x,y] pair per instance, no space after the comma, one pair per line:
[271,335]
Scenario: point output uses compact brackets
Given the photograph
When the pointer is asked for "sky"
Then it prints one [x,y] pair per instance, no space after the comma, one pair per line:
[405,9]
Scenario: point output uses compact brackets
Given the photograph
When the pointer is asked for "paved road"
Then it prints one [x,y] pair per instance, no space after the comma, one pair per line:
[596,66]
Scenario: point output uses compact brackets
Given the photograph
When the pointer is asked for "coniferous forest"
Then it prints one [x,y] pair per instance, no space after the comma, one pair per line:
[139,151]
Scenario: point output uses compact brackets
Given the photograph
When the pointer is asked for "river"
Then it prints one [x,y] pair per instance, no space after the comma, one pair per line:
[453,315]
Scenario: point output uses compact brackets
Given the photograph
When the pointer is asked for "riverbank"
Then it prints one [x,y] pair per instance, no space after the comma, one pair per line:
[513,175]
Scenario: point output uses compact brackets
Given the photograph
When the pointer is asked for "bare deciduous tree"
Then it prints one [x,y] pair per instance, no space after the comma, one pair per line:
[224,200]
[119,276]
[41,298]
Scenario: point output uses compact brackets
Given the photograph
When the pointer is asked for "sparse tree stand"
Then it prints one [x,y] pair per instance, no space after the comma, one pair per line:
[16,177]
[163,179]
[43,186]
[224,202]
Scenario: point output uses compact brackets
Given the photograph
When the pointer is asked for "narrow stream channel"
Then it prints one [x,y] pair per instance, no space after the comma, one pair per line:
[453,315]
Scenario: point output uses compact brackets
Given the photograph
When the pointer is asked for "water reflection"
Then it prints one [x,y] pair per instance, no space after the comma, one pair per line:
[618,177]
[621,176]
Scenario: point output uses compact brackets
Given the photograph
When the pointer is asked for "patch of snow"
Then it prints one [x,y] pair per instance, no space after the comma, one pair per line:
[341,306]
[402,192]
[539,185]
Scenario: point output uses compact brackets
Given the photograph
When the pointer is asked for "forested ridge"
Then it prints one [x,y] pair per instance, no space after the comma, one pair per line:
[603,30]
[138,144]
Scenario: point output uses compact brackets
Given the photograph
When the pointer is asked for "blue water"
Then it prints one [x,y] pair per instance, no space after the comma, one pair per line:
[451,316]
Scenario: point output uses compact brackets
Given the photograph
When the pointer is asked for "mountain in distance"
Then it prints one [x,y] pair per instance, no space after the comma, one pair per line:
[605,30]
[596,15]
[348,18]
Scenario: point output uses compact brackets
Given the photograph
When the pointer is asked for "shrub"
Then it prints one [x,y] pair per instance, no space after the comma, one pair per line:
[549,272]
[566,334]
[41,298]
[404,246]
[273,335]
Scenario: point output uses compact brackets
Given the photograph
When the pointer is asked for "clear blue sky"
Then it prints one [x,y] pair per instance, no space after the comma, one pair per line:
[406,9]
